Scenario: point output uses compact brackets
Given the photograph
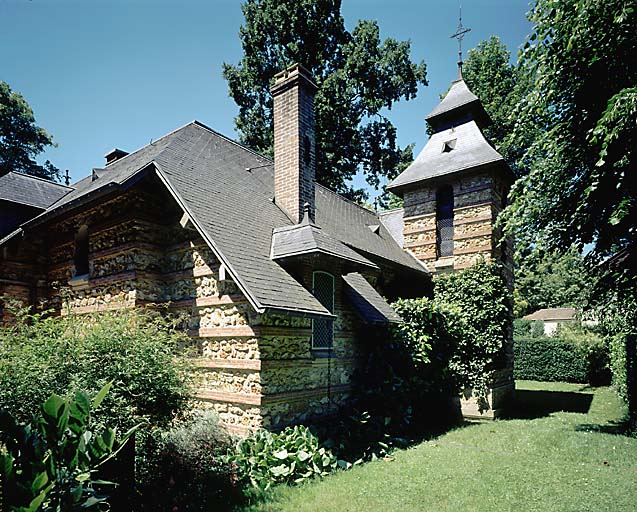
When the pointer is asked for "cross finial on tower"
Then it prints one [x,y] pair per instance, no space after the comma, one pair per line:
[67,178]
[459,35]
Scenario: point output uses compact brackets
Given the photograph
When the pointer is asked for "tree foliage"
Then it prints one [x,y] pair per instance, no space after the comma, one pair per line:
[501,86]
[21,140]
[358,77]
[580,187]
[545,279]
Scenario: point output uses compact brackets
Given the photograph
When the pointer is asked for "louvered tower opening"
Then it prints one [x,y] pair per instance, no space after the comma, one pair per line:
[444,222]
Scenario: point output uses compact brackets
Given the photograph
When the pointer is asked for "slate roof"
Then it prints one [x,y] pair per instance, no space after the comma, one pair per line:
[227,191]
[458,96]
[369,303]
[552,314]
[471,150]
[16,187]
[349,223]
[393,221]
[290,241]
[116,173]
[207,174]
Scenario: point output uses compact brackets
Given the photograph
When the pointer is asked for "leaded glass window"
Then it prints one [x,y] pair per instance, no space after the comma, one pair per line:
[444,222]
[323,328]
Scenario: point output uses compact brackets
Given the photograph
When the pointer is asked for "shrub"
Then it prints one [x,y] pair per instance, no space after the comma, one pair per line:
[52,467]
[618,368]
[456,340]
[528,328]
[184,469]
[479,306]
[521,327]
[548,359]
[568,358]
[290,456]
[428,342]
[537,329]
[135,349]
[446,344]
[619,325]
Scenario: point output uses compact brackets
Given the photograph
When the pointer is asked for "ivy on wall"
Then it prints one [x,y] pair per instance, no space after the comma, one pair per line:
[458,338]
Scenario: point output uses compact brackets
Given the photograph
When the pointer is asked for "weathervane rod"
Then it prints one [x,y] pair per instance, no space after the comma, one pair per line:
[459,35]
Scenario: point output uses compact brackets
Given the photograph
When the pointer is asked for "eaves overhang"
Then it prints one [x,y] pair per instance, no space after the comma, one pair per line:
[258,306]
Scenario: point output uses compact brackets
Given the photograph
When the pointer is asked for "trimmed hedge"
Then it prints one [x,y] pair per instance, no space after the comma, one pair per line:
[558,359]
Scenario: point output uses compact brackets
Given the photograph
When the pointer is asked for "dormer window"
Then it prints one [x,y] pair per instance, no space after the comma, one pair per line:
[449,146]
[80,257]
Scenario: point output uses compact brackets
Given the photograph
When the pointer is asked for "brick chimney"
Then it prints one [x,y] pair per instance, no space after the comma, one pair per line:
[294,157]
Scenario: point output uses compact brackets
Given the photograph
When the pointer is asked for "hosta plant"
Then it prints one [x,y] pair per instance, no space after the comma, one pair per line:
[291,456]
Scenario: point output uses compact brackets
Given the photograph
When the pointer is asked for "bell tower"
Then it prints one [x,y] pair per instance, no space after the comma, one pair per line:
[455,188]
[452,195]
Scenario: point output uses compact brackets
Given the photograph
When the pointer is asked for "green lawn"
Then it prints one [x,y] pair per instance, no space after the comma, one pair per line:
[549,461]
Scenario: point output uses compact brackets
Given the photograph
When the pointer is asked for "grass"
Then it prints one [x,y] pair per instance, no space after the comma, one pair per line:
[565,454]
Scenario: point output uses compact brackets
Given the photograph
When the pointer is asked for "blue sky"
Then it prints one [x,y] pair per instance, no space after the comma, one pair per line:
[118,73]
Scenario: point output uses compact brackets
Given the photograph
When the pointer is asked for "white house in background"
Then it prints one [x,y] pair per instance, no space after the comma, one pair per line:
[552,317]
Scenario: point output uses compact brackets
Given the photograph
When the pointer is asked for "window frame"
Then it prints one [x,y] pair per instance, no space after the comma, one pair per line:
[331,341]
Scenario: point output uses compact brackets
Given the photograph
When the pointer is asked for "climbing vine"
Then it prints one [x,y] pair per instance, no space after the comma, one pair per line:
[462,332]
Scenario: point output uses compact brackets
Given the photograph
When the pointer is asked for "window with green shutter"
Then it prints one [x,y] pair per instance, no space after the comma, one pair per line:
[323,328]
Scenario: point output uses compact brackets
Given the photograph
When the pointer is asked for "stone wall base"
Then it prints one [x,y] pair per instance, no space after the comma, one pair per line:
[500,392]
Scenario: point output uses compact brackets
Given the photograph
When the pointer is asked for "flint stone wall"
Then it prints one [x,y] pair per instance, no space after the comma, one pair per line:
[477,201]
[257,370]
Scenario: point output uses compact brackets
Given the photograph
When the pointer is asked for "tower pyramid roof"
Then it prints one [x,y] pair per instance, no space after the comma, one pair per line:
[457,144]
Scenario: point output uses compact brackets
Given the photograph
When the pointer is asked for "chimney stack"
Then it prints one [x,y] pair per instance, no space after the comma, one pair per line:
[294,156]
[114,154]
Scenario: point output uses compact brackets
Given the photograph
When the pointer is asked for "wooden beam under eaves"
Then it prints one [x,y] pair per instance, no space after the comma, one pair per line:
[186,223]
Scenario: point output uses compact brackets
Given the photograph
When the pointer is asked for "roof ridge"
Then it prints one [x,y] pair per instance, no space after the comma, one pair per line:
[30,176]
[243,146]
[390,210]
[439,110]
[151,143]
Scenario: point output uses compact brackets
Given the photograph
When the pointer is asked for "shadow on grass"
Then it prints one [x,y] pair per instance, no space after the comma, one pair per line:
[617,428]
[531,404]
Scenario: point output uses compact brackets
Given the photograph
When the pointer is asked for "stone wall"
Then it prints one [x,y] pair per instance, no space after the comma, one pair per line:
[477,202]
[22,278]
[257,370]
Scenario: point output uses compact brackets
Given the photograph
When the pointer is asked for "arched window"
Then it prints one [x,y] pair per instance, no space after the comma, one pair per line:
[444,221]
[323,328]
[80,258]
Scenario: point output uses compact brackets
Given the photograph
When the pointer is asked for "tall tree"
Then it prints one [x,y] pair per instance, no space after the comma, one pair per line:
[358,77]
[21,140]
[550,280]
[501,86]
[580,188]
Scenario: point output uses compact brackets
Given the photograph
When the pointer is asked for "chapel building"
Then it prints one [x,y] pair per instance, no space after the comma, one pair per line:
[281,281]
